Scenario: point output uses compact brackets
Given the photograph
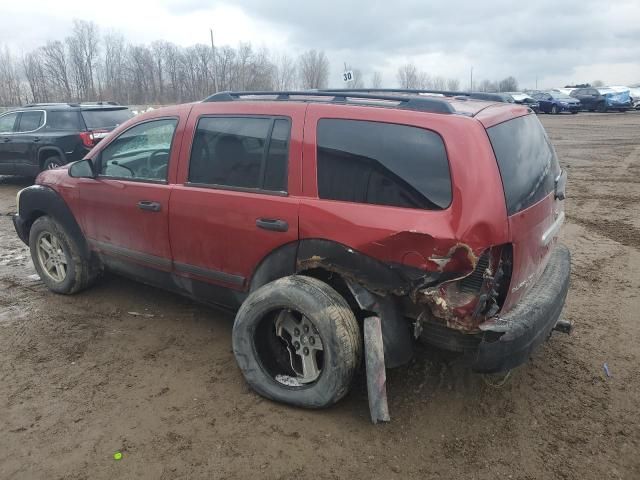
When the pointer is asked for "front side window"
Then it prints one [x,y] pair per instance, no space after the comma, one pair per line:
[241,152]
[7,122]
[140,153]
[30,121]
[382,164]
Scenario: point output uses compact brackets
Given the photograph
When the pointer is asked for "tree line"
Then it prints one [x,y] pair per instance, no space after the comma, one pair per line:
[90,66]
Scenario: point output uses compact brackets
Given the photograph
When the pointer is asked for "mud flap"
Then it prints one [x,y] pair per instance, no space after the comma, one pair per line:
[376,373]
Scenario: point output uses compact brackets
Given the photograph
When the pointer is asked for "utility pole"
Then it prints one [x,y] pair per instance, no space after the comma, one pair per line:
[215,63]
[536,82]
[471,81]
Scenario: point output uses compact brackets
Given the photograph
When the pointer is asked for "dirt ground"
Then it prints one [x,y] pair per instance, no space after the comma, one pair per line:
[81,377]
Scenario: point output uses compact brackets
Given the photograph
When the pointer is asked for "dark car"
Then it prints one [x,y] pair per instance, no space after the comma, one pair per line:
[603,99]
[556,102]
[43,136]
[318,216]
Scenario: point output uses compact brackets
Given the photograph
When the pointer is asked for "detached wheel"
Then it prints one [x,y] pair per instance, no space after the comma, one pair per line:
[297,341]
[51,163]
[57,258]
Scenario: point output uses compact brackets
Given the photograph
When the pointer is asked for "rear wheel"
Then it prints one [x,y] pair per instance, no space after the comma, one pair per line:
[51,163]
[58,258]
[297,341]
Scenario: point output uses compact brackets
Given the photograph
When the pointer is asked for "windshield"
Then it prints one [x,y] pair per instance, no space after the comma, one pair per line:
[106,118]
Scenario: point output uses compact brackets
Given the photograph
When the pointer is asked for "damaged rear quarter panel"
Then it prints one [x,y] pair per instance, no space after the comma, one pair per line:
[444,244]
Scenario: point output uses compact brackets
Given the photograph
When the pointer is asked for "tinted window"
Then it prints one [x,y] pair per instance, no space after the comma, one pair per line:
[105,118]
[7,122]
[63,120]
[527,161]
[235,152]
[382,164]
[30,121]
[141,153]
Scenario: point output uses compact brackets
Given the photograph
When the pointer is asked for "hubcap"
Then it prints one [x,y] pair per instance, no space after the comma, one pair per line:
[52,165]
[303,343]
[51,256]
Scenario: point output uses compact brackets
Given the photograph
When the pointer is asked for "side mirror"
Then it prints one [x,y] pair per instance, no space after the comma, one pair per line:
[82,169]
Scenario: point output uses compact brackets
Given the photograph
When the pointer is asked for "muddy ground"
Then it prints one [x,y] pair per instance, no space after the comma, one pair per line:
[81,377]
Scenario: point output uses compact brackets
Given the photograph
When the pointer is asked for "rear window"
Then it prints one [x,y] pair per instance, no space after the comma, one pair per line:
[382,164]
[527,161]
[63,120]
[105,118]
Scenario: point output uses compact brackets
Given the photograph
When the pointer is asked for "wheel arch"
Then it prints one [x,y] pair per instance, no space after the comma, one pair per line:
[50,151]
[39,200]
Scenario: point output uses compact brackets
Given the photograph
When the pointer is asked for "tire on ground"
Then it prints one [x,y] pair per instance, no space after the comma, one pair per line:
[334,320]
[81,271]
[51,162]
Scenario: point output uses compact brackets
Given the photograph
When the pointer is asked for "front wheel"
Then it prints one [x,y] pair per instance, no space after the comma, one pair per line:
[297,341]
[58,258]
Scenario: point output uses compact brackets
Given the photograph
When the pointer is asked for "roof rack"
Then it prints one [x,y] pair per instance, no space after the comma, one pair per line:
[489,96]
[423,104]
[71,104]
[52,104]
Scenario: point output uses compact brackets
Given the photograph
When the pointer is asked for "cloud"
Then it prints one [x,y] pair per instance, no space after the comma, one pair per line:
[555,42]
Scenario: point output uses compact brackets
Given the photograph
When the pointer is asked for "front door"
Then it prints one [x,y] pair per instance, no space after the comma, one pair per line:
[26,142]
[125,209]
[238,201]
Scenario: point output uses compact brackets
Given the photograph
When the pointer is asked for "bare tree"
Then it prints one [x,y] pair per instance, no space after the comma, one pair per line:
[509,84]
[32,67]
[284,73]
[376,80]
[10,92]
[453,84]
[313,69]
[408,76]
[597,83]
[56,67]
[487,86]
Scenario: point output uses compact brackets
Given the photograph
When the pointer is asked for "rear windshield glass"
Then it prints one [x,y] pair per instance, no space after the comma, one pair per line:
[527,161]
[105,118]
[382,164]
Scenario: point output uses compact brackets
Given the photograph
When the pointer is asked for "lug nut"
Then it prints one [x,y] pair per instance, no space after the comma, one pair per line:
[312,340]
[297,345]
[305,351]
[296,332]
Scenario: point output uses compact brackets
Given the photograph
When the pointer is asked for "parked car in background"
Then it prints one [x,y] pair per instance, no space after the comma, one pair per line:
[603,99]
[556,102]
[565,90]
[385,218]
[634,96]
[43,136]
[522,98]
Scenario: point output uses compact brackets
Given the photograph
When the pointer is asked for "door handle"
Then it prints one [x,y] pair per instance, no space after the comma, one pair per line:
[36,140]
[6,139]
[272,224]
[148,205]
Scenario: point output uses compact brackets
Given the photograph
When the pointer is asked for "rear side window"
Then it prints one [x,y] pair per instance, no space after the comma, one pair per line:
[7,122]
[382,164]
[61,120]
[30,121]
[244,152]
[104,118]
[527,161]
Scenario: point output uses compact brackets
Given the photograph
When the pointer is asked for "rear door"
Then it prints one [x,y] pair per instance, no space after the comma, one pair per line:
[238,197]
[534,191]
[7,124]
[124,211]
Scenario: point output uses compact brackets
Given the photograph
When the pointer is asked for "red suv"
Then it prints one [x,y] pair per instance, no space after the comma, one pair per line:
[311,211]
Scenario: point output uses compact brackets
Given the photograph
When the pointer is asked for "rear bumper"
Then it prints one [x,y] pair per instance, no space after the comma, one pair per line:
[530,322]
[21,228]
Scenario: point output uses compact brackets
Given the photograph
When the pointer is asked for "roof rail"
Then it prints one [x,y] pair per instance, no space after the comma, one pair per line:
[487,96]
[423,104]
[45,104]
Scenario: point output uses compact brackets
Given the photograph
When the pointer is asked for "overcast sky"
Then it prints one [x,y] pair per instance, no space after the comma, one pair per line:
[559,42]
